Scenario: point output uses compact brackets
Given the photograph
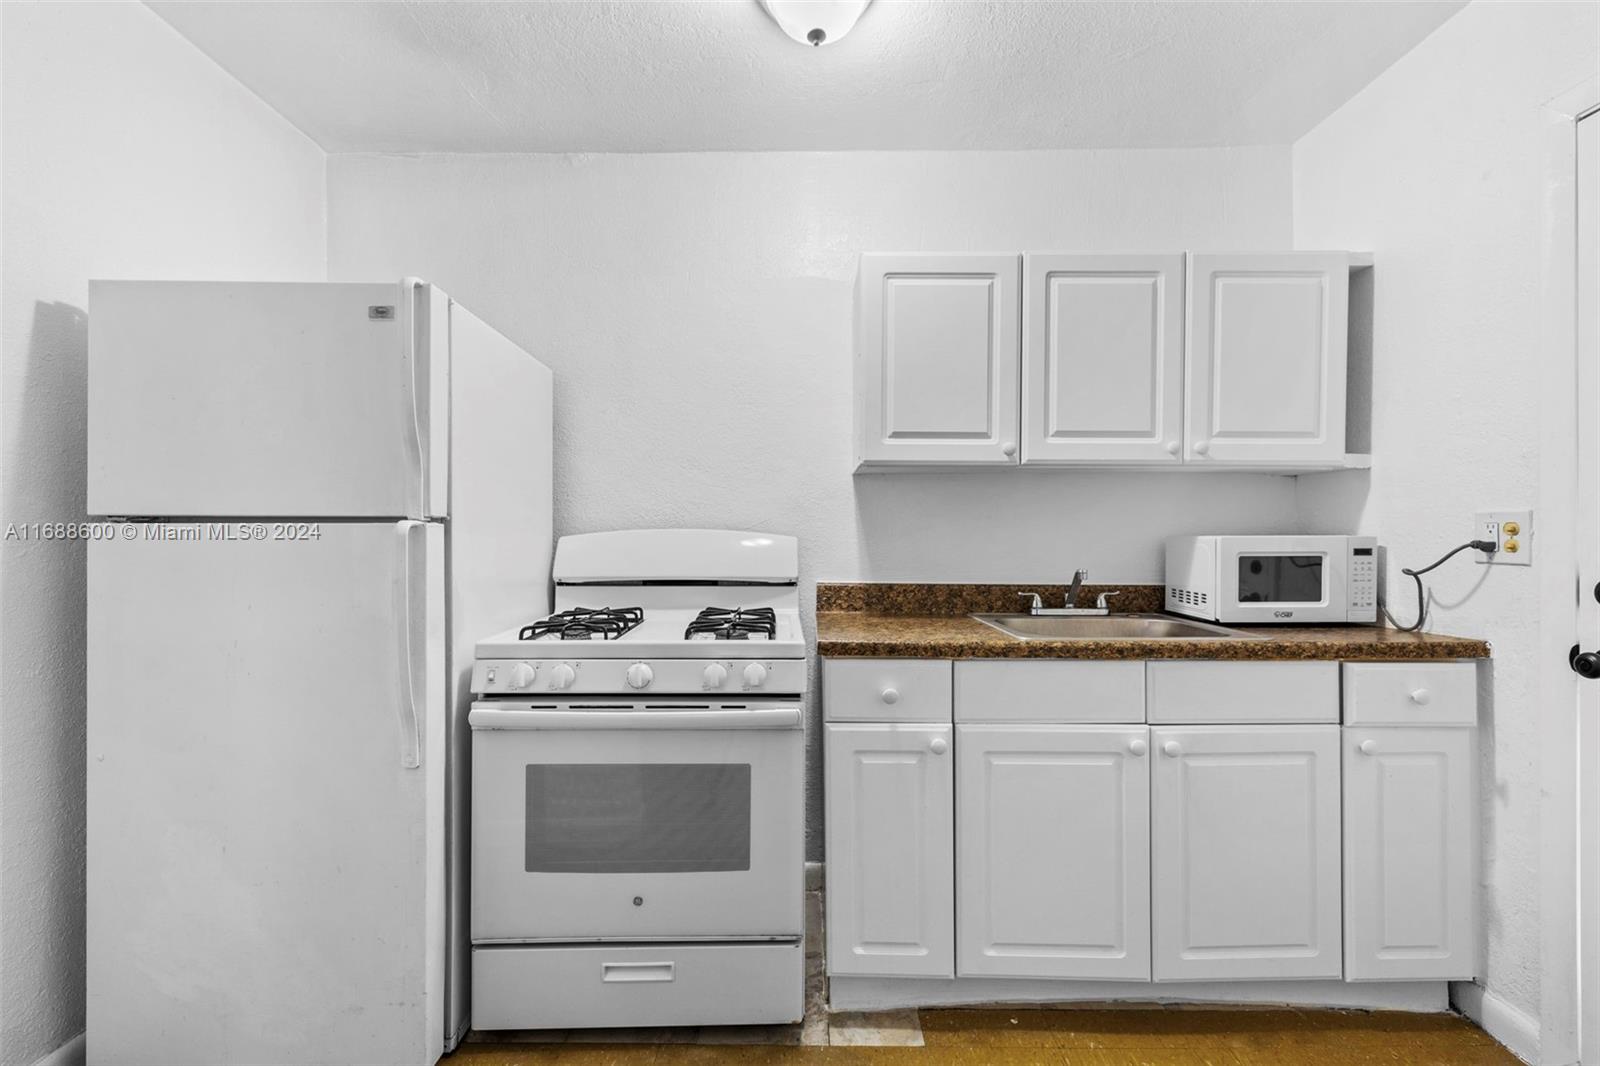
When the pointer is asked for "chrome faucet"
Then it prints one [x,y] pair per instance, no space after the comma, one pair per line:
[1036,603]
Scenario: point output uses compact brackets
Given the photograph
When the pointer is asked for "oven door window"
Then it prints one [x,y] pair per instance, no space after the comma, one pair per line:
[607,818]
[1280,578]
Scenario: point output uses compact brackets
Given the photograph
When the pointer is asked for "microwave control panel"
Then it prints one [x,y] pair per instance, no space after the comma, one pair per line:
[1363,580]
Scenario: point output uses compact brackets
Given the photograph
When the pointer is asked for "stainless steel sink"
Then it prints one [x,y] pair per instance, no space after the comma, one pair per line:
[1107,627]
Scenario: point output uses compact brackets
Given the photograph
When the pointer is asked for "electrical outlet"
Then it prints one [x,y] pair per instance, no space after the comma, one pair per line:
[1511,531]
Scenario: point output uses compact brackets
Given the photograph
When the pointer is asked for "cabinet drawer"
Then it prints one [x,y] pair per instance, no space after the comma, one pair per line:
[886,690]
[1222,693]
[667,984]
[1410,694]
[1049,691]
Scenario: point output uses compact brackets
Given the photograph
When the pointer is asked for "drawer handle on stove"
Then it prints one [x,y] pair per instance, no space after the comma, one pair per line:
[628,972]
[526,717]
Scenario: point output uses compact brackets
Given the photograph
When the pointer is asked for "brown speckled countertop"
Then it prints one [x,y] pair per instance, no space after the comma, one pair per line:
[930,622]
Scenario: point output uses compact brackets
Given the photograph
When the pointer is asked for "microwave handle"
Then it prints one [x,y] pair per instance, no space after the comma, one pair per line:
[760,718]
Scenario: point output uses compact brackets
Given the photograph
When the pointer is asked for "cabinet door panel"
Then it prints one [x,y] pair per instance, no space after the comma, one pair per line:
[891,850]
[936,359]
[1102,359]
[1409,854]
[1053,847]
[1245,842]
[1266,357]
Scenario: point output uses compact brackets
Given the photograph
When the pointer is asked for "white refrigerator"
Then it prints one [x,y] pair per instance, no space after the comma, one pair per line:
[320,496]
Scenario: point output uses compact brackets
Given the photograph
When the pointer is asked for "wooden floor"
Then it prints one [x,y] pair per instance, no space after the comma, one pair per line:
[1067,1037]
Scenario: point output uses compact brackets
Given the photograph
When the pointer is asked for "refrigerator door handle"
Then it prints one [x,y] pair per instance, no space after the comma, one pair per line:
[414,299]
[407,532]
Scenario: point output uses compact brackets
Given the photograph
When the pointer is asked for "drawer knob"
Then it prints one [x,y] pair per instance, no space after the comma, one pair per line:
[1202,448]
[890,695]
[1171,749]
[1172,447]
[938,746]
[1369,747]
[1008,449]
[1421,697]
[1138,747]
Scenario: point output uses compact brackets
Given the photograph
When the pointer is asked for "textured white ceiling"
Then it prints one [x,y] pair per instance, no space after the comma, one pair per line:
[706,75]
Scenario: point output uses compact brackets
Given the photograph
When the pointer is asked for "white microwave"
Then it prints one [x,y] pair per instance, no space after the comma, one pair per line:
[1283,580]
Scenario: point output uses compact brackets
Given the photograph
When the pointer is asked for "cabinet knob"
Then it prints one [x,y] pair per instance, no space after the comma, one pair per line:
[1173,447]
[1008,449]
[1138,747]
[890,695]
[1171,749]
[1202,447]
[938,746]
[1421,697]
[1369,747]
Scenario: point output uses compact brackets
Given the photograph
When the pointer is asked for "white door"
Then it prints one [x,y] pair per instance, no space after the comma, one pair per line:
[1409,865]
[258,399]
[617,820]
[1053,851]
[1102,359]
[1266,357]
[266,877]
[891,850]
[936,359]
[1245,852]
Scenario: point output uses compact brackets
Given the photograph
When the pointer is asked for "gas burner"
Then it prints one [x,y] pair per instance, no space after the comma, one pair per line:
[724,623]
[584,623]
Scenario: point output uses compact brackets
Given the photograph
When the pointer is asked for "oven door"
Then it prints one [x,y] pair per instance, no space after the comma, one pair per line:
[1281,579]
[630,821]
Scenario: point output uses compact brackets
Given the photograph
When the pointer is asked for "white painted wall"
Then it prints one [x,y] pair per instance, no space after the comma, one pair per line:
[1436,167]
[128,153]
[697,312]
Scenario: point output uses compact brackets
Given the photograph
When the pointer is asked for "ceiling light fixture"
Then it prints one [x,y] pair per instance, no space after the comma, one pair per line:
[815,22]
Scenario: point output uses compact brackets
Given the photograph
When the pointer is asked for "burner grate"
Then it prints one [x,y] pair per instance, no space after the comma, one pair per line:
[726,623]
[584,623]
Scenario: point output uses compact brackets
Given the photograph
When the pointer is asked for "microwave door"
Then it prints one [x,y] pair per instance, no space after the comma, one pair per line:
[1279,580]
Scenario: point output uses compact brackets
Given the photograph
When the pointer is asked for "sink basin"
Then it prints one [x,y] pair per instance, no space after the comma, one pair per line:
[1106,627]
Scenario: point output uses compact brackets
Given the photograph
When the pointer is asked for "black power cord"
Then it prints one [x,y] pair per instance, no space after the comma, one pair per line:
[1416,575]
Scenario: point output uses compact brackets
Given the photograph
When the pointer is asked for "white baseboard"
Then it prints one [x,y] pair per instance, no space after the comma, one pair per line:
[68,1054]
[891,993]
[1516,1030]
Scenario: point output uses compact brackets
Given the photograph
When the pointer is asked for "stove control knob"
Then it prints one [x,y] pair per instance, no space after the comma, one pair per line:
[563,676]
[715,675]
[640,675]
[521,676]
[755,675]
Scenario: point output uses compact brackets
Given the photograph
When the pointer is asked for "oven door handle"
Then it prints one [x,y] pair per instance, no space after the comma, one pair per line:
[760,718]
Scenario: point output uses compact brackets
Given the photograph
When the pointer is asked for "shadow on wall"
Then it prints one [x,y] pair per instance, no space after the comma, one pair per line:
[41,676]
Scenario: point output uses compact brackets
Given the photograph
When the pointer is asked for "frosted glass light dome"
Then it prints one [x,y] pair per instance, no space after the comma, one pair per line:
[815,22]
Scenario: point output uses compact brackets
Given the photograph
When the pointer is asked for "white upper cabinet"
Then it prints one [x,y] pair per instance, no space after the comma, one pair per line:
[1102,359]
[1053,851]
[1266,358]
[1245,852]
[936,359]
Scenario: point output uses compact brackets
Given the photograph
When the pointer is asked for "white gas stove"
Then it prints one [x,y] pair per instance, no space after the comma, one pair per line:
[637,794]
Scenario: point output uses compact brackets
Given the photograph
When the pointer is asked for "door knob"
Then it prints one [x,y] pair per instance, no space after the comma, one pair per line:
[1172,447]
[1008,449]
[1201,448]
[1369,747]
[1585,664]
[938,746]
[1138,747]
[1171,749]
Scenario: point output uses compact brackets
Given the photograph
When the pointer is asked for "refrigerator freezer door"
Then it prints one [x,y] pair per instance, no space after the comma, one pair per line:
[266,870]
[264,399]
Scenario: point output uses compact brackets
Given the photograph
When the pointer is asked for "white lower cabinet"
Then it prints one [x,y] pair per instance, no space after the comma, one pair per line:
[1410,812]
[891,849]
[1053,851]
[1245,852]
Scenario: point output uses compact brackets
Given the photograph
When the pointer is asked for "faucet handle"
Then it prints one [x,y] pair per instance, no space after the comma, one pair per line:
[1100,600]
[1035,604]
